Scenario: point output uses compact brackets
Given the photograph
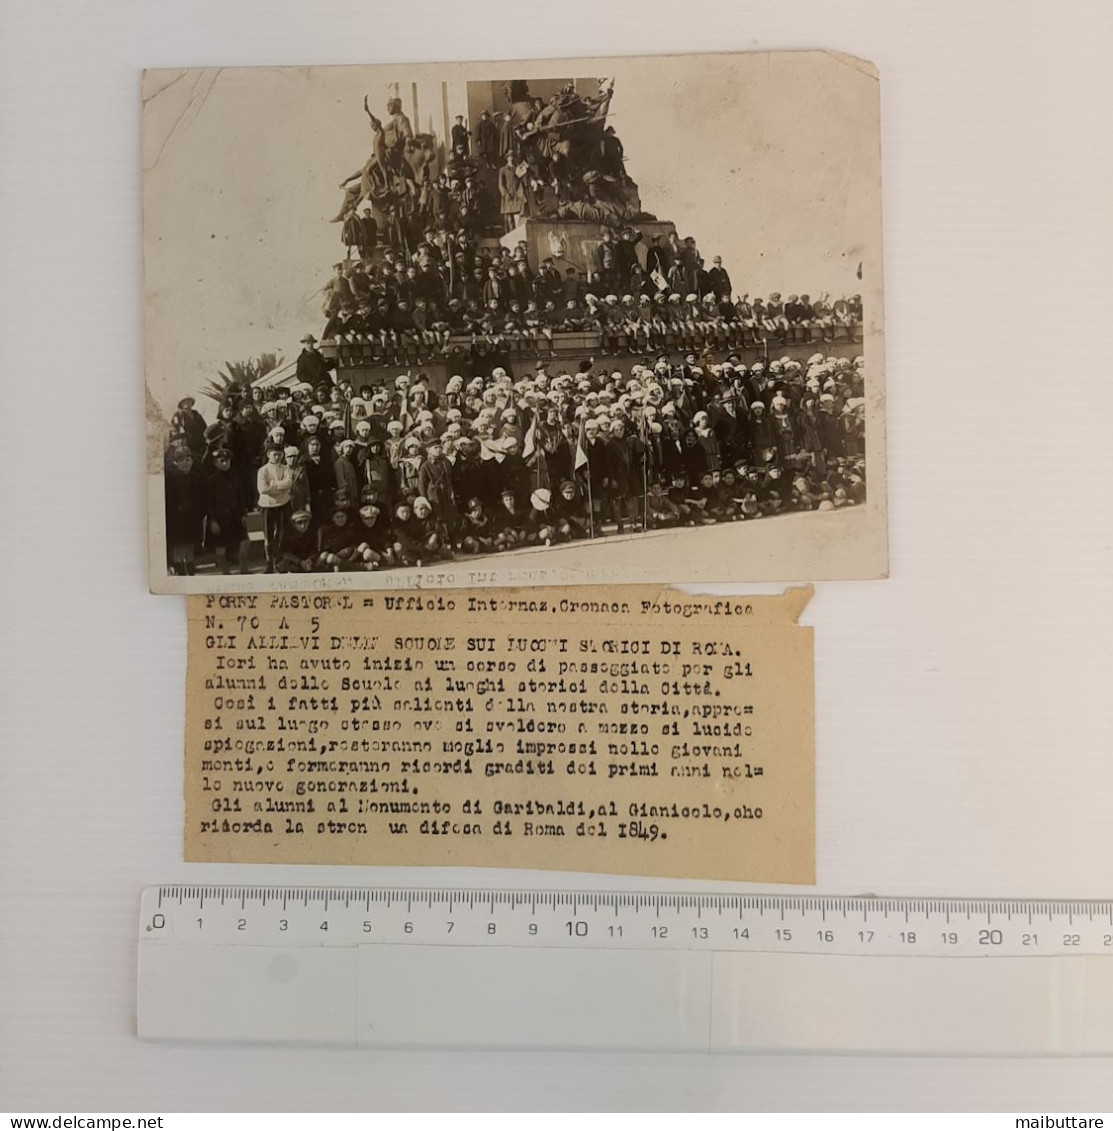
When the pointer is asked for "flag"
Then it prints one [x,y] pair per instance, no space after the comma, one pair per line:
[581,454]
[529,444]
[659,281]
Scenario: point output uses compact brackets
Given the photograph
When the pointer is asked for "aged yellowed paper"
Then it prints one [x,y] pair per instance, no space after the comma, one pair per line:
[634,730]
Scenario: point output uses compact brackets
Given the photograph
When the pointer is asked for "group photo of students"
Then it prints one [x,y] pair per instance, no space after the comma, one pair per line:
[397,475]
[697,403]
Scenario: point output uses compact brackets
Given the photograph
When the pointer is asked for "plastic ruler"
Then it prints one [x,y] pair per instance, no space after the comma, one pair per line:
[463,967]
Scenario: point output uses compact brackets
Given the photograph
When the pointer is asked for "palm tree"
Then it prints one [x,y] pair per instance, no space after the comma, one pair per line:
[241,374]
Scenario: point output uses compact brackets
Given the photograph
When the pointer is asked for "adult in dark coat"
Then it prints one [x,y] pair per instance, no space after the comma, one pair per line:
[626,258]
[551,460]
[707,453]
[298,552]
[487,139]
[512,193]
[782,423]
[369,233]
[601,250]
[624,460]
[807,427]
[225,510]
[674,452]
[344,469]
[375,472]
[718,279]
[830,427]
[247,449]
[658,259]
[498,290]
[597,471]
[187,426]
[514,473]
[728,430]
[320,475]
[312,365]
[467,472]
[185,509]
[461,139]
[763,438]
[434,482]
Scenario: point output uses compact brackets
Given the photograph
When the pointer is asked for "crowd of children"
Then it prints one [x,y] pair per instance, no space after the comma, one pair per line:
[395,476]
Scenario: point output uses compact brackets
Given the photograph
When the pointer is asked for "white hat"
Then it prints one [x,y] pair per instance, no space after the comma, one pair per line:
[541,498]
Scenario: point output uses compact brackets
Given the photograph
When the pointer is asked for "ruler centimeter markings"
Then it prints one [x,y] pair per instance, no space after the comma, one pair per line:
[838,925]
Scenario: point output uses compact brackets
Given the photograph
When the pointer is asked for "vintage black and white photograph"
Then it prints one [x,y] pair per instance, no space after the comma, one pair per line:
[590,320]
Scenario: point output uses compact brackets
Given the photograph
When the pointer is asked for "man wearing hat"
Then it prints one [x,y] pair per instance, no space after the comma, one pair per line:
[689,262]
[719,279]
[312,366]
[187,426]
[225,511]
[487,140]
[185,509]
[461,139]
[626,256]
